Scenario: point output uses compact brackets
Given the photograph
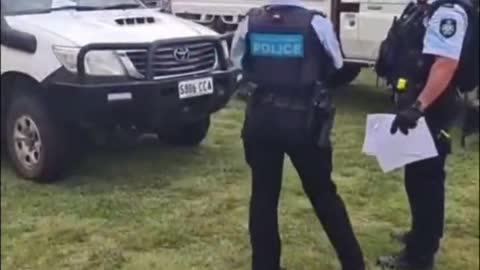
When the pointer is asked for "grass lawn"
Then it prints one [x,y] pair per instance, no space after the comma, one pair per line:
[158,207]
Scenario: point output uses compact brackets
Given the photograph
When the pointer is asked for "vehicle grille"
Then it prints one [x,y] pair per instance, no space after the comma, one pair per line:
[202,57]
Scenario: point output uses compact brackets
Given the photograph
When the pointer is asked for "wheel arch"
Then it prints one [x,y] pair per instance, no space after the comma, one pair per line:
[10,82]
[9,88]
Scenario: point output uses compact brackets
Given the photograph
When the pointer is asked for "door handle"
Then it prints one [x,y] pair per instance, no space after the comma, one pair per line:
[374,7]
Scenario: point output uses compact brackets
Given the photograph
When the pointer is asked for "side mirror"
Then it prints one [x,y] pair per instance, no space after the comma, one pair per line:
[17,39]
[4,23]
[5,28]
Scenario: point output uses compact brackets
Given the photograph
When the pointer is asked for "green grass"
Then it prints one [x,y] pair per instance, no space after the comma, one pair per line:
[158,207]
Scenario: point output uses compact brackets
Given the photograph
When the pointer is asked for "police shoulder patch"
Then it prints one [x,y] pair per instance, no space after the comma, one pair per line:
[448,27]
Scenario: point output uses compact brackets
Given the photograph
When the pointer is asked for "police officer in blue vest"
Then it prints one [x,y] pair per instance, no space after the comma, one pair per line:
[288,52]
[426,57]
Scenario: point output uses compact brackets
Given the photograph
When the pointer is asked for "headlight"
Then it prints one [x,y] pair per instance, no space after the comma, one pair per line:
[97,63]
[67,56]
[103,63]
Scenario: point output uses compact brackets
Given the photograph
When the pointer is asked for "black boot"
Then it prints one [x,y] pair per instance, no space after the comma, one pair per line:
[403,262]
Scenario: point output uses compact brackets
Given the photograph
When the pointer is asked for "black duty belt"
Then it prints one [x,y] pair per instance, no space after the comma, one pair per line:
[285,102]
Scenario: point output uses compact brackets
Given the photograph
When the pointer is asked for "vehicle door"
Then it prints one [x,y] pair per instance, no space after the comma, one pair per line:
[363,24]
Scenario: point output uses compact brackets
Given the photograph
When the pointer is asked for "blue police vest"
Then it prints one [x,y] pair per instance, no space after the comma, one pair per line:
[283,50]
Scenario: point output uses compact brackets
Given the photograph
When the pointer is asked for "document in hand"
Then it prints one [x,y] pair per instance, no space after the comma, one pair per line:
[395,151]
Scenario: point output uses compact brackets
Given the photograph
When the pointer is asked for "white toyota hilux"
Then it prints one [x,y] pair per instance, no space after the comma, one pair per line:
[73,64]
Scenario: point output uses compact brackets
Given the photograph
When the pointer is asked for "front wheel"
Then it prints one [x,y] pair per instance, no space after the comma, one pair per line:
[191,134]
[35,141]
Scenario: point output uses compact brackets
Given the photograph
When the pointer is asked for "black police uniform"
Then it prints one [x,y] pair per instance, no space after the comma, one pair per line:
[285,58]
[424,180]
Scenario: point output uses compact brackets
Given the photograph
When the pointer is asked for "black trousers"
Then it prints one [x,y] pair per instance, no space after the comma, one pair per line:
[268,135]
[425,186]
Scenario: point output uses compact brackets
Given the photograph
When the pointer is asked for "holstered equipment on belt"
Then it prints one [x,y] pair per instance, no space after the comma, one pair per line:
[322,114]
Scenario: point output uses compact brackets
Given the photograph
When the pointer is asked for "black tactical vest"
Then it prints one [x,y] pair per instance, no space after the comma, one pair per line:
[283,51]
[402,62]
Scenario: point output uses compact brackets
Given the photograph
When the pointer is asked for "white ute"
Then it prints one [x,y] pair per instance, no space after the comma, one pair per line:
[68,65]
[361,24]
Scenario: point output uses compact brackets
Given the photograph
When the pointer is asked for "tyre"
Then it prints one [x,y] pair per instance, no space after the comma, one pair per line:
[188,135]
[345,76]
[35,141]
[3,110]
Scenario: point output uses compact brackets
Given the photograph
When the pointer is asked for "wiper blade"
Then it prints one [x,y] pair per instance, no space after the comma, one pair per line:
[79,8]
[120,6]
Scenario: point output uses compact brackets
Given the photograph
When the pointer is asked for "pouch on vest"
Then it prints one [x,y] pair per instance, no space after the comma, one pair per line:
[395,47]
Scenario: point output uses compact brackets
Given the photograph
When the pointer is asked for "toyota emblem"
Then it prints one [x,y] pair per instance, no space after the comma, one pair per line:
[181,54]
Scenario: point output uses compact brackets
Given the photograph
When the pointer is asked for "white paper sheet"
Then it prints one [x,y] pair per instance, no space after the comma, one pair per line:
[372,128]
[395,151]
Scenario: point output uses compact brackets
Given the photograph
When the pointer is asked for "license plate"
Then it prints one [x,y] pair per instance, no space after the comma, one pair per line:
[195,88]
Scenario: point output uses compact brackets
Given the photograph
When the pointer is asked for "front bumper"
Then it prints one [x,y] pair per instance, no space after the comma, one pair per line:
[148,102]
[153,104]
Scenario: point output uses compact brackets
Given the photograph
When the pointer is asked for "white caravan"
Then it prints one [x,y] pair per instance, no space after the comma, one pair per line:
[361,24]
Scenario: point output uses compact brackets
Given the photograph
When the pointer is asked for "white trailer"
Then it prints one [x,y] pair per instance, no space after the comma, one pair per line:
[361,24]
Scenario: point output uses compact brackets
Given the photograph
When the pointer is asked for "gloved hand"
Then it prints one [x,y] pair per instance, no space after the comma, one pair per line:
[406,120]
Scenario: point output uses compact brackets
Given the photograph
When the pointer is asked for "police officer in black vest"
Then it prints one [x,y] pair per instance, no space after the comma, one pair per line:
[288,51]
[421,60]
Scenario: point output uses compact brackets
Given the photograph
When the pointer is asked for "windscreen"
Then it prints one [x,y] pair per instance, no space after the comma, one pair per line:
[33,6]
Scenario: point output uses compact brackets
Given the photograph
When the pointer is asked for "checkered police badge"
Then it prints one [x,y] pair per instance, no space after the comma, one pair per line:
[448,27]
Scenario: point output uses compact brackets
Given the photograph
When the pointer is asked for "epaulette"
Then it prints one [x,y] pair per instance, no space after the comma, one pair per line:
[464,4]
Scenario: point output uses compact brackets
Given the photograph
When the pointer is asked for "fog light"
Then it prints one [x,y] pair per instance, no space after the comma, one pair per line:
[239,77]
